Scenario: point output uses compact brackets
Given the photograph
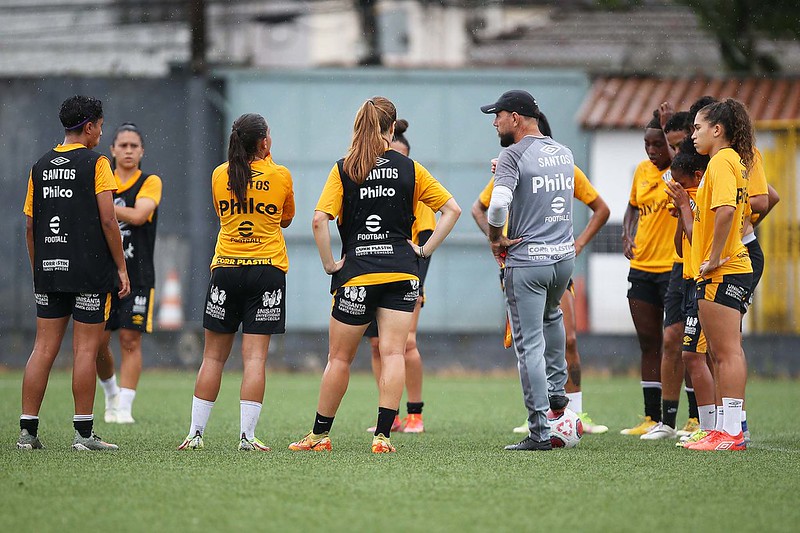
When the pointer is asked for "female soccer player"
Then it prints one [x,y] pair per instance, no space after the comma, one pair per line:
[76,258]
[421,230]
[136,206]
[723,131]
[647,240]
[254,198]
[373,191]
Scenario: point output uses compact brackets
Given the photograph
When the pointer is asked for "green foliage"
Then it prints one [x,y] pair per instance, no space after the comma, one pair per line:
[454,477]
[737,24]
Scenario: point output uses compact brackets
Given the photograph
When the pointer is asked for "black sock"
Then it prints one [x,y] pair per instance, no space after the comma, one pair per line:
[692,404]
[84,427]
[31,425]
[414,408]
[322,424]
[670,412]
[652,403]
[385,421]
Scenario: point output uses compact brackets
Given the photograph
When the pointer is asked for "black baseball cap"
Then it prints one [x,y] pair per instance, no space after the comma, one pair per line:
[520,102]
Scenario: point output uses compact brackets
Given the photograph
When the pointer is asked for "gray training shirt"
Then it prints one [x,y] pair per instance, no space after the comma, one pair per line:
[541,175]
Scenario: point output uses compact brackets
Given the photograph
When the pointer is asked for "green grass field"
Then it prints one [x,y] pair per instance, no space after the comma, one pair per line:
[454,477]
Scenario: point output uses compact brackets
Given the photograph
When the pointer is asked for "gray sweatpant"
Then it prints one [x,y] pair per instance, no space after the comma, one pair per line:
[533,295]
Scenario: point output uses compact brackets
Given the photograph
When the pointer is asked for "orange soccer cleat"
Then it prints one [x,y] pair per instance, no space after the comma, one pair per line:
[413,424]
[717,441]
[312,443]
[381,444]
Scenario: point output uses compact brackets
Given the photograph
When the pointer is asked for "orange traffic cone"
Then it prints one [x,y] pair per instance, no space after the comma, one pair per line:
[170,312]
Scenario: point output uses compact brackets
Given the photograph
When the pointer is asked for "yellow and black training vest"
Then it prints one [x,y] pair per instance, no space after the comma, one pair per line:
[138,242]
[70,249]
[376,220]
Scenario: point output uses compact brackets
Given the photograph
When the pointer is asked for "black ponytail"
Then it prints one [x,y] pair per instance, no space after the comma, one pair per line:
[246,133]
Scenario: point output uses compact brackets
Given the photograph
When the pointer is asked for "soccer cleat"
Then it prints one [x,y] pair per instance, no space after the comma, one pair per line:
[312,443]
[720,441]
[396,425]
[26,441]
[691,439]
[708,435]
[528,445]
[192,443]
[124,417]
[413,424]
[523,429]
[660,431]
[746,435]
[640,429]
[381,444]
[589,426]
[92,443]
[111,409]
[691,426]
[247,445]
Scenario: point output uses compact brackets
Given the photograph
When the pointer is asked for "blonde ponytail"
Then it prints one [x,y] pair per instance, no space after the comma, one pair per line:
[373,120]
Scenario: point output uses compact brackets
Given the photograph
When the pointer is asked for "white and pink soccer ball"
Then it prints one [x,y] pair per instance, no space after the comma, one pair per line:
[566,429]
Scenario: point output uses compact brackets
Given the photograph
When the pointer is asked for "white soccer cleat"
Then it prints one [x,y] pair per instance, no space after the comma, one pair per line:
[660,431]
[111,409]
[124,417]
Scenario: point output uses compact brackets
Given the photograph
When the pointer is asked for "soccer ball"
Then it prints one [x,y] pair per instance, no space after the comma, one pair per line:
[566,429]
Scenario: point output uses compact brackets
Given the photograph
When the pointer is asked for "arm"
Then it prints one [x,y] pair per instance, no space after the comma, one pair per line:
[322,236]
[138,214]
[108,221]
[629,223]
[759,204]
[600,214]
[723,220]
[772,199]
[479,214]
[685,214]
[29,238]
[450,212]
[677,240]
[286,223]
[497,215]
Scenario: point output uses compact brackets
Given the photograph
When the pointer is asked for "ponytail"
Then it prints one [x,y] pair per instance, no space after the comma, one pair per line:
[733,117]
[374,118]
[246,133]
[544,125]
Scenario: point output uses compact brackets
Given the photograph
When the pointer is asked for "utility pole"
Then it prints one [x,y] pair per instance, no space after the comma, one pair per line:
[197,23]
[369,26]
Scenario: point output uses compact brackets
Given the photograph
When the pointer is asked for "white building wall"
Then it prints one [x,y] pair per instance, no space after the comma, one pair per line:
[614,157]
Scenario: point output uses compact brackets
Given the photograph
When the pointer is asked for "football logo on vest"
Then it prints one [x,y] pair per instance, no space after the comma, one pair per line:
[373,223]
[55,224]
[60,160]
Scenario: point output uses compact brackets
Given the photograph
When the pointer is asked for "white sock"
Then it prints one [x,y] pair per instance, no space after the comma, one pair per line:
[720,419]
[201,410]
[249,413]
[744,415]
[126,397]
[110,388]
[28,417]
[575,401]
[708,416]
[732,424]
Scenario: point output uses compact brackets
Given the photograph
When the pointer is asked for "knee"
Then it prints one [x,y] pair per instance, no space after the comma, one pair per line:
[374,348]
[411,344]
[130,342]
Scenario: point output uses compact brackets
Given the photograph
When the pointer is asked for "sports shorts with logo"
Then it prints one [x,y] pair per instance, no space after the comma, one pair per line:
[87,308]
[253,296]
[730,290]
[757,261]
[693,338]
[134,312]
[357,306]
[675,298]
[648,286]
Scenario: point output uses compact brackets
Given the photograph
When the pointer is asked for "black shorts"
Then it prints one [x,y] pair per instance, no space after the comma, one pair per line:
[134,312]
[731,290]
[693,338]
[674,300]
[757,260]
[357,306]
[253,296]
[87,308]
[647,286]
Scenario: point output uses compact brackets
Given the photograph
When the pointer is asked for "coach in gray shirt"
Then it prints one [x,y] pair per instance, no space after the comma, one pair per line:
[533,191]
